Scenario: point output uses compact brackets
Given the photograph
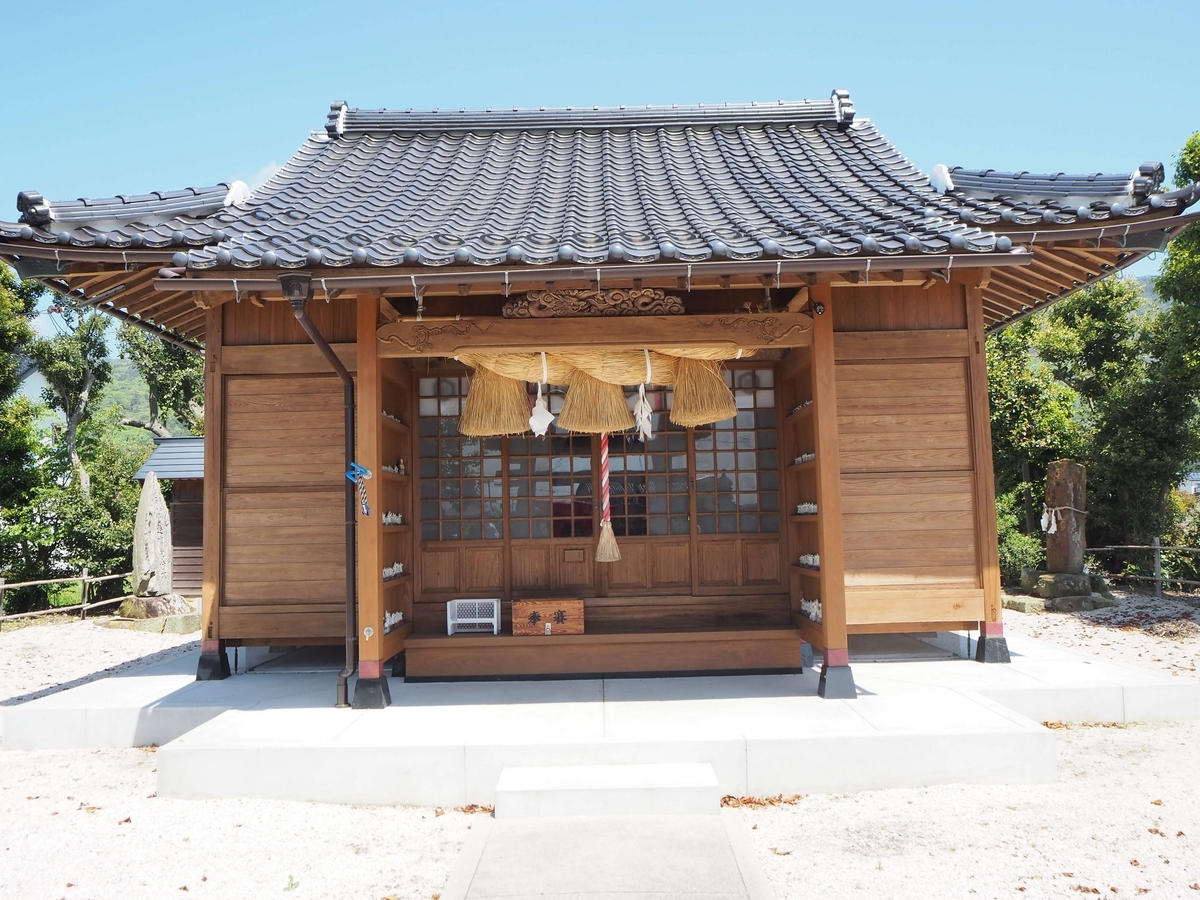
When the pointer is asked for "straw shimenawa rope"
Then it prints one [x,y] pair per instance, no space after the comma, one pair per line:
[595,401]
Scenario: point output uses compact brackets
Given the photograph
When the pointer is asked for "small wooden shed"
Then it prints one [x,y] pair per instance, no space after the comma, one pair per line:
[181,460]
[843,295]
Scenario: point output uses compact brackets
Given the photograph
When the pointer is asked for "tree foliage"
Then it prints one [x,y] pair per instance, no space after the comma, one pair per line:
[75,364]
[18,438]
[173,376]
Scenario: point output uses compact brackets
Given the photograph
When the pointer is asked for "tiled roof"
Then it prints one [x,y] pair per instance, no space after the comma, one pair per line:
[639,184]
[175,457]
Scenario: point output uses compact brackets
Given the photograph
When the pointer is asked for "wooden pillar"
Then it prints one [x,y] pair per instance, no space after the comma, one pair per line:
[369,454]
[836,679]
[992,646]
[214,665]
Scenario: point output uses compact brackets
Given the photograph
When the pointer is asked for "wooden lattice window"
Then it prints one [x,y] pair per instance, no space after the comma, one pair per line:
[462,489]
[550,482]
[737,461]
[648,482]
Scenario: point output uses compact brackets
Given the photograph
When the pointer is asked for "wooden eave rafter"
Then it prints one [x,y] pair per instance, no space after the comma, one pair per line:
[1063,259]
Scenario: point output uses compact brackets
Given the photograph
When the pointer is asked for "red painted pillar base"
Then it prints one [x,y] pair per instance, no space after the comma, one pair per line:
[837,681]
[214,663]
[992,647]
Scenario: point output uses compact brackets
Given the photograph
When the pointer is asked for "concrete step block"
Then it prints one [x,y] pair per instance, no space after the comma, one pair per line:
[622,790]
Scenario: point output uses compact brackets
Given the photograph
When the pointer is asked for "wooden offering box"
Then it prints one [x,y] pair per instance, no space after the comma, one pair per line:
[547,616]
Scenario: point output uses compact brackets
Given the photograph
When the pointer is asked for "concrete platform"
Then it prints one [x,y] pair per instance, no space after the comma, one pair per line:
[682,789]
[922,716]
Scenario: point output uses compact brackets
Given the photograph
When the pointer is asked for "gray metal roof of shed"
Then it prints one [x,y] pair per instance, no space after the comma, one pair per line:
[175,457]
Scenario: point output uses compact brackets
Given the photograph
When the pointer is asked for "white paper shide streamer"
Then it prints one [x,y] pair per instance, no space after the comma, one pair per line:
[541,419]
[642,413]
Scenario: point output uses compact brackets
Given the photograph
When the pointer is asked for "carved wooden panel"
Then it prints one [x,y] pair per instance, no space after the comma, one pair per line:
[483,568]
[440,568]
[568,303]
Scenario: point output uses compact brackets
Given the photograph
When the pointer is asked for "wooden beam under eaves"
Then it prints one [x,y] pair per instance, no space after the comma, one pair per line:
[449,337]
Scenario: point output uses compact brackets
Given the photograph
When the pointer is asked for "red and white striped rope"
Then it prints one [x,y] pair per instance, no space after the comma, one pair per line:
[604,513]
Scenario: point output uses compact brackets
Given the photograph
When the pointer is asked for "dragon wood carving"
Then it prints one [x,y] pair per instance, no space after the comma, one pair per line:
[418,337]
[574,303]
[766,330]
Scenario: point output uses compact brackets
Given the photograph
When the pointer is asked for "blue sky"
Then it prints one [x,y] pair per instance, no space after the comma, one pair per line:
[117,97]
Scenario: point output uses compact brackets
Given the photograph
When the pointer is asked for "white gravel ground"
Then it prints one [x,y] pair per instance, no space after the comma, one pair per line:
[87,824]
[1097,830]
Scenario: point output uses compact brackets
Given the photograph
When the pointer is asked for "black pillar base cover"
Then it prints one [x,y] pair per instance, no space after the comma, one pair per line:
[398,665]
[806,656]
[213,666]
[837,683]
[371,693]
[992,650]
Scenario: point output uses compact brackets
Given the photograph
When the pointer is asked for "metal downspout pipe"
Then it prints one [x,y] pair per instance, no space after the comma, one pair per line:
[297,288]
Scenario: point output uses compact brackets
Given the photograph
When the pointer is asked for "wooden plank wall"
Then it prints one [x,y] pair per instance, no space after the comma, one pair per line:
[283,575]
[908,469]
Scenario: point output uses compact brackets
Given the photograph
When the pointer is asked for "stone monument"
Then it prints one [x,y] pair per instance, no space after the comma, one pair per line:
[1064,585]
[152,559]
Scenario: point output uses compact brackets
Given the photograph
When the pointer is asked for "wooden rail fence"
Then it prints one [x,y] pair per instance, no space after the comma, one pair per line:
[85,580]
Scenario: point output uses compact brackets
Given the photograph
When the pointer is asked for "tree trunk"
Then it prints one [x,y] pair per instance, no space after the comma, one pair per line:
[1031,522]
[74,417]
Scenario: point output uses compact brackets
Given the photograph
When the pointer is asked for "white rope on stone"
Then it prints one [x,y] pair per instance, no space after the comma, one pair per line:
[1052,516]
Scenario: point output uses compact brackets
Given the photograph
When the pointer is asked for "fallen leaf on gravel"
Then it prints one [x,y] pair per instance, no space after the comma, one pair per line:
[1068,874]
[125,821]
[778,852]
[1021,889]
[1195,886]
[1156,803]
[1156,831]
[1083,889]
[472,808]
[1179,834]
[760,802]
[1143,890]
[438,811]
[33,798]
[1134,862]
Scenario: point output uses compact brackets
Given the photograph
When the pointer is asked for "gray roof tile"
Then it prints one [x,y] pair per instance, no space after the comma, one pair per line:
[595,185]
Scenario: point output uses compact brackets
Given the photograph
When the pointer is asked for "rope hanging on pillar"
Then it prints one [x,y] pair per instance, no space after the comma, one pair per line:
[606,549]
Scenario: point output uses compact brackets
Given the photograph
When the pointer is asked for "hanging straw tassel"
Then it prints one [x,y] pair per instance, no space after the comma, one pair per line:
[701,395]
[593,407]
[495,405]
[606,549]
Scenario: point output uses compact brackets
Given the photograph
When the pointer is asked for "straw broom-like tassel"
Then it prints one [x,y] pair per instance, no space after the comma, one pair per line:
[593,407]
[701,394]
[495,405]
[606,549]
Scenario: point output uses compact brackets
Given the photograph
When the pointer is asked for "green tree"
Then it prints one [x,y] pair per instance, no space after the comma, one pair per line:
[75,364]
[174,378]
[18,439]
[1034,418]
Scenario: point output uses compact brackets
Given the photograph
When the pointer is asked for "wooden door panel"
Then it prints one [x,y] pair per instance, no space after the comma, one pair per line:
[760,563]
[671,566]
[440,569]
[483,568]
[531,566]
[718,563]
[631,573]
[573,567]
